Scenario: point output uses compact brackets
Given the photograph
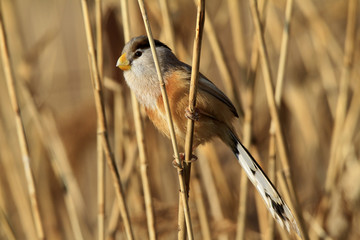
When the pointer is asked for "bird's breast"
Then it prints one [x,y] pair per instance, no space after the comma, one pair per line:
[145,86]
[177,92]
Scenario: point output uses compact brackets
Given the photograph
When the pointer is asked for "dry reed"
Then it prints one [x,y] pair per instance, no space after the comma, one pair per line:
[100,153]
[170,123]
[102,128]
[278,94]
[48,52]
[24,148]
[140,139]
[247,131]
[275,118]
[341,107]
[192,109]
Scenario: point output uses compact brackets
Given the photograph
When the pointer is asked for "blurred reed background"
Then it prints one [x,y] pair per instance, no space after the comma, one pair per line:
[319,113]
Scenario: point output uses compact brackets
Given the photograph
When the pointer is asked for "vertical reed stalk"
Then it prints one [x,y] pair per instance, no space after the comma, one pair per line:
[59,162]
[275,117]
[278,93]
[237,30]
[241,220]
[168,28]
[223,66]
[211,191]
[74,221]
[194,78]
[49,136]
[140,138]
[24,149]
[283,184]
[223,187]
[100,153]
[192,101]
[102,131]
[100,189]
[6,228]
[169,120]
[321,28]
[143,169]
[248,117]
[270,234]
[18,193]
[200,205]
[341,107]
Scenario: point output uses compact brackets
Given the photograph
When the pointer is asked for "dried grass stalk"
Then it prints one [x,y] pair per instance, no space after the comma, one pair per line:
[341,107]
[247,133]
[211,191]
[192,102]
[102,130]
[237,30]
[61,167]
[200,205]
[194,78]
[6,228]
[24,149]
[143,169]
[223,65]
[168,28]
[169,120]
[275,117]
[278,91]
[46,127]
[100,153]
[140,138]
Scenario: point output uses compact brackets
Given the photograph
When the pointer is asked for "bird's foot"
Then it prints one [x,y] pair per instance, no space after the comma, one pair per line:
[193,158]
[192,115]
[177,165]
[182,160]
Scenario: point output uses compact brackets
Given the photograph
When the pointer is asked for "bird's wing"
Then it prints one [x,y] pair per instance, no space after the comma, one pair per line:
[207,86]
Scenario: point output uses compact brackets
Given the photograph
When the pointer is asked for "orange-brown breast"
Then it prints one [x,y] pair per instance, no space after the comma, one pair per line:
[177,93]
[214,114]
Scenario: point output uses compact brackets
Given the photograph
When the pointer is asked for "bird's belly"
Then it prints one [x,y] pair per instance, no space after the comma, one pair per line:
[160,121]
[205,129]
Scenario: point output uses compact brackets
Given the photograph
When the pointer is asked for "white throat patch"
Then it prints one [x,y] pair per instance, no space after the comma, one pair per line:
[145,86]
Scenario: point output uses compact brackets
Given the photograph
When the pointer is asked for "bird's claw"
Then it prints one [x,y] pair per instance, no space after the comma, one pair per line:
[182,159]
[193,158]
[192,115]
[177,165]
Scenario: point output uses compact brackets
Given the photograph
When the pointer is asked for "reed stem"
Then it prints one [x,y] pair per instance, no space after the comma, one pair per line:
[100,153]
[192,102]
[140,138]
[24,148]
[169,120]
[102,128]
[275,117]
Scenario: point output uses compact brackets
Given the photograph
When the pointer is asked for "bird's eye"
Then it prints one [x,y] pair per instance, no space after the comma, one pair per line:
[138,54]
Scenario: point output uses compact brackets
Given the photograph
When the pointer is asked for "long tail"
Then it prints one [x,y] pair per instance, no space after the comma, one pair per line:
[277,207]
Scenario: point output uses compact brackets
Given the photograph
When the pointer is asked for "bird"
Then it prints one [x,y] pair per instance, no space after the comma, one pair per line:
[214,112]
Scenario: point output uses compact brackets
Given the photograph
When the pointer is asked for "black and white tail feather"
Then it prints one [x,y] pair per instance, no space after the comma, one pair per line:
[277,207]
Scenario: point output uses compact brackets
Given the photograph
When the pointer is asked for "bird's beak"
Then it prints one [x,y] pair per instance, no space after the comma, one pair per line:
[123,63]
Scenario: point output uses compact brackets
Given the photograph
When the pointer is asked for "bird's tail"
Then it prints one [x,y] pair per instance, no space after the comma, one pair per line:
[275,204]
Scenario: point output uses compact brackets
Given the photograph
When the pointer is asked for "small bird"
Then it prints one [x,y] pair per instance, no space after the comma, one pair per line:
[214,111]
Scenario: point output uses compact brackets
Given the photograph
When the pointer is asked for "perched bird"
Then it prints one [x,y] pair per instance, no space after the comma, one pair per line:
[214,109]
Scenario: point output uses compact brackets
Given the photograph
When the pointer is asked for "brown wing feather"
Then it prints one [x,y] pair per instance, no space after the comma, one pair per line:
[207,86]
